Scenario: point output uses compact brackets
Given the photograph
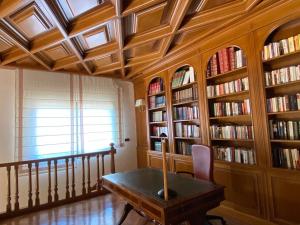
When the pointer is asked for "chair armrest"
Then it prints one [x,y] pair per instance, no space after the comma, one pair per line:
[185,172]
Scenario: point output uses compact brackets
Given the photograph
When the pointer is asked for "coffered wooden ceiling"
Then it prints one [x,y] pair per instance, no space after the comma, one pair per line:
[116,38]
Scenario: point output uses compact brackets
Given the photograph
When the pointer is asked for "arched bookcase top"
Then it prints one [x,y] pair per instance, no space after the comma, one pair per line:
[225,60]
[183,76]
[283,40]
[156,86]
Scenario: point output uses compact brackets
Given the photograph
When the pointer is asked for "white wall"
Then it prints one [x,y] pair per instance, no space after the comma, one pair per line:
[126,157]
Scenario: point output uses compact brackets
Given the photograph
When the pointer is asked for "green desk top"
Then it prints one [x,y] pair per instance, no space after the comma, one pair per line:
[147,182]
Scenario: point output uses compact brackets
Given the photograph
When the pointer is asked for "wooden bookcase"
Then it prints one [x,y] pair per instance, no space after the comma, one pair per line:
[157,113]
[282,79]
[229,108]
[185,110]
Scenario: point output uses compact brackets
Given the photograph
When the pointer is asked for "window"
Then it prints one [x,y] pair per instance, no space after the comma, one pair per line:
[61,114]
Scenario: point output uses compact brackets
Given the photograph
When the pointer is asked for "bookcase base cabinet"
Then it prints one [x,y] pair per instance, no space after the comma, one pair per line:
[284,196]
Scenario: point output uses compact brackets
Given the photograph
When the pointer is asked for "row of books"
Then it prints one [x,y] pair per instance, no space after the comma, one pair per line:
[159,131]
[283,75]
[183,76]
[156,86]
[158,116]
[157,146]
[288,130]
[186,94]
[225,60]
[282,47]
[228,87]
[286,158]
[186,113]
[283,103]
[231,132]
[234,154]
[187,130]
[183,148]
[230,108]
[157,101]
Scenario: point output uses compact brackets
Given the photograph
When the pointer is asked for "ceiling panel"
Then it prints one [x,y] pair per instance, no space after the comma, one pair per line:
[4,44]
[59,51]
[216,3]
[73,8]
[31,20]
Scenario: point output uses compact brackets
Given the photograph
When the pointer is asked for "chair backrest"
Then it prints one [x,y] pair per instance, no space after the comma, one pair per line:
[203,162]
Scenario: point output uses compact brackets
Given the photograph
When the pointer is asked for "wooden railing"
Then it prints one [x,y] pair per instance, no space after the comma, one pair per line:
[32,169]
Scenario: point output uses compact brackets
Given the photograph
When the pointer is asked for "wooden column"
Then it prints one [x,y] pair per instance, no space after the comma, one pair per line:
[98,173]
[37,185]
[165,169]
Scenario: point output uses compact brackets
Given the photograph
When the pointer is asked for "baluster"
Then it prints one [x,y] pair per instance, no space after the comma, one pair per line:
[37,191]
[73,179]
[49,182]
[98,173]
[67,179]
[55,182]
[30,202]
[89,175]
[83,177]
[102,170]
[8,206]
[17,206]
[112,158]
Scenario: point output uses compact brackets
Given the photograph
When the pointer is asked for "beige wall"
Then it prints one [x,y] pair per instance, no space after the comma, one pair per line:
[125,158]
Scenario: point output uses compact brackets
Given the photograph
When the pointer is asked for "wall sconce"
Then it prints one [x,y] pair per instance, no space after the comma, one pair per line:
[140,104]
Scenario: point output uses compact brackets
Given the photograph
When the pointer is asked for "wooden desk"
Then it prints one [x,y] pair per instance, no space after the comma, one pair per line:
[139,189]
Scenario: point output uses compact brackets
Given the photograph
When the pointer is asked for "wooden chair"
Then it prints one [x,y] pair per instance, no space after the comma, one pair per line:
[203,163]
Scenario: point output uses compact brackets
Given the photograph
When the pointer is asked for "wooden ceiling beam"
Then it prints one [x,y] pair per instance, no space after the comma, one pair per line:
[119,34]
[137,5]
[151,35]
[62,29]
[13,37]
[142,59]
[96,17]
[212,16]
[108,68]
[179,13]
[12,56]
[46,40]
[101,51]
[9,6]
[67,61]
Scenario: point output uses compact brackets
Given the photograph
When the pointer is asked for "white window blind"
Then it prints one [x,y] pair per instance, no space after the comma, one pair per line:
[61,114]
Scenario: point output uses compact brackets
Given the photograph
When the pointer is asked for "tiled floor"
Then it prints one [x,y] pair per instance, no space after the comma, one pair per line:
[104,210]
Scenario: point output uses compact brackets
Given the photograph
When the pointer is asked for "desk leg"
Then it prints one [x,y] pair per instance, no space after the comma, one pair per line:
[126,210]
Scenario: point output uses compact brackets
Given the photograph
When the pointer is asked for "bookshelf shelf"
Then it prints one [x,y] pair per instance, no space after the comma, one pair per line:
[157,108]
[285,67]
[184,86]
[231,118]
[234,163]
[282,57]
[239,94]
[228,74]
[232,140]
[156,137]
[185,102]
[158,122]
[288,84]
[188,138]
[180,121]
[157,94]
